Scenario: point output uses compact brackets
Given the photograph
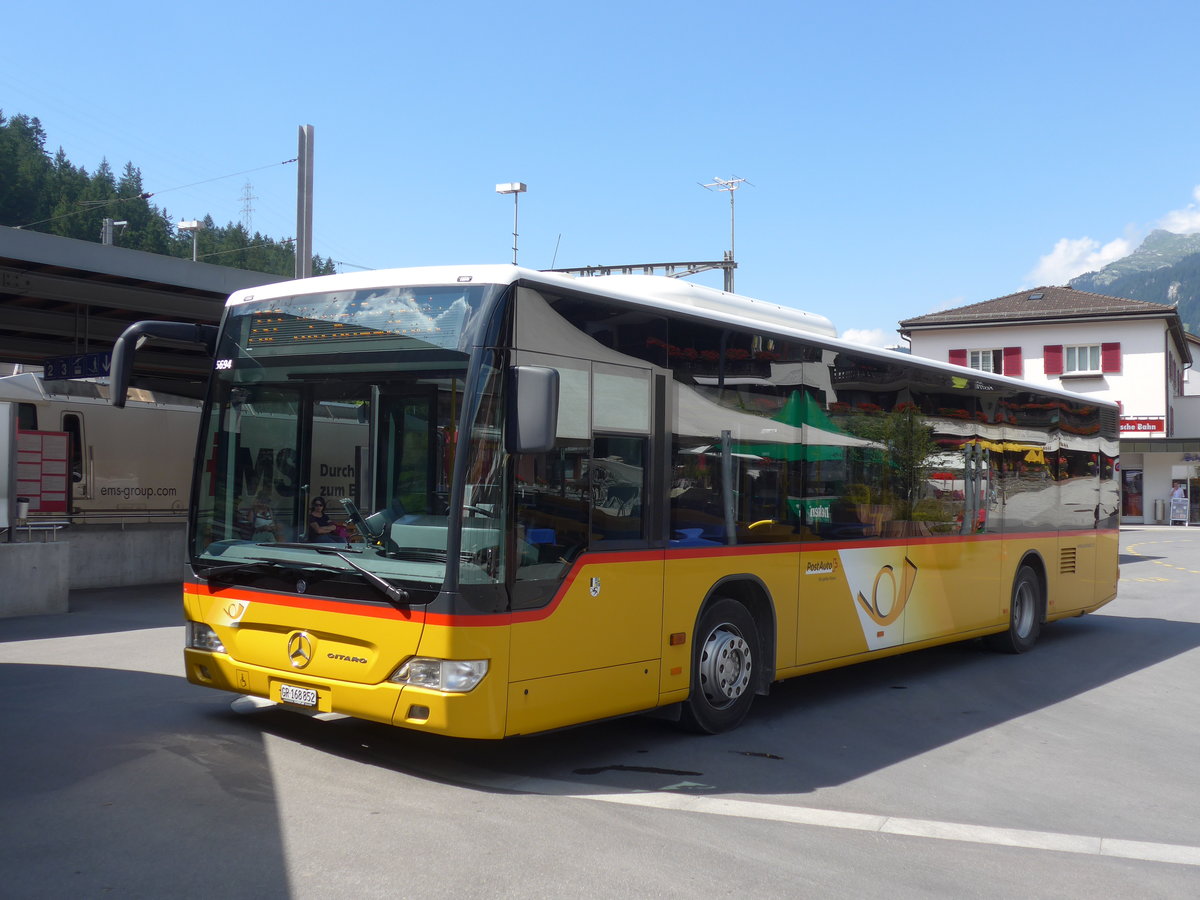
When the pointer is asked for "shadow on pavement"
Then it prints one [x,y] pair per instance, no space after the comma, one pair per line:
[1126,559]
[116,783]
[103,611]
[81,726]
[888,711]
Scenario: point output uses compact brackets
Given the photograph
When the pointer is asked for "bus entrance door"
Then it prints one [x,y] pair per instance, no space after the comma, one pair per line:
[588,587]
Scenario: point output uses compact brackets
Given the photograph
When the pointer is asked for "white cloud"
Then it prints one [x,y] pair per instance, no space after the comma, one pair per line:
[1186,220]
[871,337]
[1074,256]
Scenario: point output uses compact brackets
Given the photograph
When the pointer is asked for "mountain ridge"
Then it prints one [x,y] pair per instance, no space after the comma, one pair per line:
[1165,269]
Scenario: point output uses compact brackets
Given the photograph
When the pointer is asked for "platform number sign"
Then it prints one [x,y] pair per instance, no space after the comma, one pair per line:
[81,365]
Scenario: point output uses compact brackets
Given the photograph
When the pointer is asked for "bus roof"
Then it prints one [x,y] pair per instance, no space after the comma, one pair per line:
[652,291]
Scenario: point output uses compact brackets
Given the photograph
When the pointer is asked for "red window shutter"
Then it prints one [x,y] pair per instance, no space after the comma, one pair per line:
[1052,353]
[958,357]
[1012,361]
[1110,358]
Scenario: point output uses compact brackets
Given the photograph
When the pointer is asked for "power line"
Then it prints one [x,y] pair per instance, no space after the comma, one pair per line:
[290,240]
[97,204]
[91,206]
[220,177]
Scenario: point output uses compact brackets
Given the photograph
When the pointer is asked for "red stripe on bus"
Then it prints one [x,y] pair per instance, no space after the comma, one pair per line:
[483,620]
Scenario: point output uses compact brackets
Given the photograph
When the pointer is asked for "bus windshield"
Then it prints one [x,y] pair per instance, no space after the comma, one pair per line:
[330,441]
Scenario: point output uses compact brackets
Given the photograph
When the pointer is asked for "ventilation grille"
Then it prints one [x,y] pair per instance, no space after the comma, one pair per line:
[1066,561]
[1109,423]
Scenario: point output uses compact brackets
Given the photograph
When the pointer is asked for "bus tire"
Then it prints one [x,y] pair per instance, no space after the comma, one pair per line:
[1024,615]
[724,656]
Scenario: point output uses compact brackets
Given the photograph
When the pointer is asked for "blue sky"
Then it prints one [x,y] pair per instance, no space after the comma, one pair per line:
[904,156]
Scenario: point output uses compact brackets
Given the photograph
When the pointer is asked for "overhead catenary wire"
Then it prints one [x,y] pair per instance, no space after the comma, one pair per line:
[290,240]
[146,195]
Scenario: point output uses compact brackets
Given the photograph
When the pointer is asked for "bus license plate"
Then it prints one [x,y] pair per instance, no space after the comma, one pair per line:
[297,695]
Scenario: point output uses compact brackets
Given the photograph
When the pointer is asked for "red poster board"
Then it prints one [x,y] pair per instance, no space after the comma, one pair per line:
[42,470]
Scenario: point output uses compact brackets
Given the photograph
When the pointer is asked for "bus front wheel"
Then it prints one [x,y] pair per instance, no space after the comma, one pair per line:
[724,656]
[1024,615]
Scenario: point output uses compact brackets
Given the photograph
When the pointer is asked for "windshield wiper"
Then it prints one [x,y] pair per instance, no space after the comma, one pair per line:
[215,571]
[210,572]
[398,597]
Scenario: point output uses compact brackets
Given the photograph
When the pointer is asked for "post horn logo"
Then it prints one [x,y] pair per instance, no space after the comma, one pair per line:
[886,609]
[299,649]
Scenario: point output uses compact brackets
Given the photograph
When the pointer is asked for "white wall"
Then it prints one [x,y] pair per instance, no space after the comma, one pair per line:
[1187,416]
[1191,376]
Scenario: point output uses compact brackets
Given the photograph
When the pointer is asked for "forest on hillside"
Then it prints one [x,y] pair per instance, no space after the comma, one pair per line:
[48,193]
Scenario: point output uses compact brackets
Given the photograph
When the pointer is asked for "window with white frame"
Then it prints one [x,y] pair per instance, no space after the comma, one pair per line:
[985,360]
[1081,358]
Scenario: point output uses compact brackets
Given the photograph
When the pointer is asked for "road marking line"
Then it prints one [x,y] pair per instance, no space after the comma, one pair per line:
[1179,854]
[946,831]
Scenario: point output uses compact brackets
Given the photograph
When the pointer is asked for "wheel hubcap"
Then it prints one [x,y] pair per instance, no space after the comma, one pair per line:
[1023,610]
[725,666]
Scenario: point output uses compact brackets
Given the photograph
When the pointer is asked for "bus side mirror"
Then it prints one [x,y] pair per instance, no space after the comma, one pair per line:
[138,333]
[532,420]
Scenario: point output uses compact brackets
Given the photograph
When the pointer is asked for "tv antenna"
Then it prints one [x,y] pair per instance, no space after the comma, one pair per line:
[730,186]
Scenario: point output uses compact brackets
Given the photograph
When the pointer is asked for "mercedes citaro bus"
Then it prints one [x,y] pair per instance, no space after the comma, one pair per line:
[564,499]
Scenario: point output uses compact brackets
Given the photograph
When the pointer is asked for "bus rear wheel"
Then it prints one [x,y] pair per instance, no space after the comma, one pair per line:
[1024,615]
[724,656]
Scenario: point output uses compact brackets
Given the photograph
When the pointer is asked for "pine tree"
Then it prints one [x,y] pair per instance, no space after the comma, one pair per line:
[24,168]
[56,197]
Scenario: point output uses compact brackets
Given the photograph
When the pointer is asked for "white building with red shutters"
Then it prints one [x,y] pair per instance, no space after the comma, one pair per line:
[1130,351]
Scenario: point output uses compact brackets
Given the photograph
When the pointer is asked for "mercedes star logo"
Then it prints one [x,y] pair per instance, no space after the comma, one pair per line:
[299,649]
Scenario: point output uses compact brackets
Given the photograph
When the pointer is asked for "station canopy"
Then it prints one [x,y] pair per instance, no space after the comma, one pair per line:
[63,298]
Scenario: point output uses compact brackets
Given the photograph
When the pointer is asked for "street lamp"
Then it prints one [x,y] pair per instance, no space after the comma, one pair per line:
[194,227]
[516,188]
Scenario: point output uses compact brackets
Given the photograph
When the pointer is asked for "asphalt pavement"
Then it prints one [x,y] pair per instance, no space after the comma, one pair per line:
[1068,771]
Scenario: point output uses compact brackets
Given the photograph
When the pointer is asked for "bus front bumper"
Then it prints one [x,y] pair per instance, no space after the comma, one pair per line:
[478,713]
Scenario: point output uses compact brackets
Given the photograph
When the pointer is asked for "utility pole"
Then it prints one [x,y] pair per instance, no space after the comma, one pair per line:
[516,188]
[304,203]
[108,230]
[194,226]
[729,185]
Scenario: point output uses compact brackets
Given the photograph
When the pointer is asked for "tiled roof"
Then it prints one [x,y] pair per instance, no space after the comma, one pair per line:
[1040,303]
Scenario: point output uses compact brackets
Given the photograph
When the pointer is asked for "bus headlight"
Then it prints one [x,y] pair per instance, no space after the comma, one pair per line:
[456,676]
[201,637]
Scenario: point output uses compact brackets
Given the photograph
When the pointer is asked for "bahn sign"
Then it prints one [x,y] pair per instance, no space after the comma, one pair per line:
[1143,425]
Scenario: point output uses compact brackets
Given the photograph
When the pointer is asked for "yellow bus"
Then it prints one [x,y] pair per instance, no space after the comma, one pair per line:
[550,500]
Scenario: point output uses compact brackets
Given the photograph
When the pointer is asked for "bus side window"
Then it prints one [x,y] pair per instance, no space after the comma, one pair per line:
[618,472]
[72,424]
[551,503]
